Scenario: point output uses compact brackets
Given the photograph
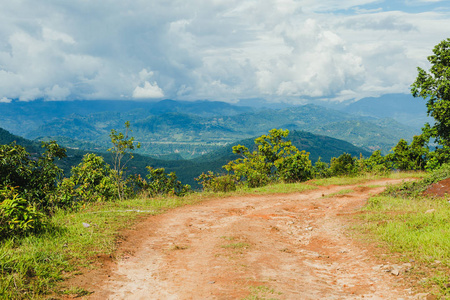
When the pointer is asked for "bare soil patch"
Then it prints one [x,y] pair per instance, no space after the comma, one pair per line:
[439,189]
[293,246]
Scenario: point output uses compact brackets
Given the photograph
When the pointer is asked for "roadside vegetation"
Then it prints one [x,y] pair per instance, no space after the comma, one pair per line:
[51,226]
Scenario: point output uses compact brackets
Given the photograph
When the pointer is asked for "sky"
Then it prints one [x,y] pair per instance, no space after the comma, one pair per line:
[224,50]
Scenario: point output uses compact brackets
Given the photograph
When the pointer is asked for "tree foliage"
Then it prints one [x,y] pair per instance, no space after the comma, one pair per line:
[275,158]
[121,151]
[35,178]
[434,86]
[160,183]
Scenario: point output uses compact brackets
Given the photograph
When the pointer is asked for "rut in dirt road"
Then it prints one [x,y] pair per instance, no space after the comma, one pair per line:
[292,246]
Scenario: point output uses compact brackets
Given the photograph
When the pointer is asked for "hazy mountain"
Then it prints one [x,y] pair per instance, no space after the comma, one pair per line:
[378,134]
[403,108]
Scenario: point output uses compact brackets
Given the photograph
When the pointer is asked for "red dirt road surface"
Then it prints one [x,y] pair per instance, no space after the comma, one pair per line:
[282,246]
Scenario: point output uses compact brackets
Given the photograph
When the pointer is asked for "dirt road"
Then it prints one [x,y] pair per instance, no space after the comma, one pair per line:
[293,246]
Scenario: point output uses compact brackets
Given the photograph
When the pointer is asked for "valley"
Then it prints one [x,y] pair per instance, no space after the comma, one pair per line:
[192,129]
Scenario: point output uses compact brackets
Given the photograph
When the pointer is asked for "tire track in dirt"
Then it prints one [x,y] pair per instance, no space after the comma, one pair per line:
[284,246]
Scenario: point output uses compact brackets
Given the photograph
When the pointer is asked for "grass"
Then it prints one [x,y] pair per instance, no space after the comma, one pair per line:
[239,245]
[261,292]
[365,178]
[416,229]
[341,192]
[280,188]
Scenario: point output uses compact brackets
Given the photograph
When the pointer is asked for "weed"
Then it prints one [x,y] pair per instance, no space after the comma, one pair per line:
[261,292]
[76,291]
[341,192]
[239,245]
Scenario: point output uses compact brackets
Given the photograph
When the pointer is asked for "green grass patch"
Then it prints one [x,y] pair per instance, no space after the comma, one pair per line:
[417,228]
[280,188]
[341,192]
[238,245]
[262,292]
[365,178]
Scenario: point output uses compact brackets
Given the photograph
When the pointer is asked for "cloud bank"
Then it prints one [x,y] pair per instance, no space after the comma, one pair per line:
[217,50]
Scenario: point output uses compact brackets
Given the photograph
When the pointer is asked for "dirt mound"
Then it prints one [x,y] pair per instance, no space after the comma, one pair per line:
[439,189]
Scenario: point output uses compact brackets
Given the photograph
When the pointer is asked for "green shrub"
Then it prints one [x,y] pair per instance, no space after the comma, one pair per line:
[92,180]
[345,164]
[35,179]
[17,216]
[216,183]
[377,163]
[160,183]
[321,169]
[295,168]
[274,159]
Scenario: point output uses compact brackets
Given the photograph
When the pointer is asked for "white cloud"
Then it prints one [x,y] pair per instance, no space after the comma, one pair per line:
[218,50]
[150,90]
[5,100]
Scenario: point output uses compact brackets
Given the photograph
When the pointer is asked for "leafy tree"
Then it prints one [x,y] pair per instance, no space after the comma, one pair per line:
[434,86]
[121,150]
[275,158]
[410,157]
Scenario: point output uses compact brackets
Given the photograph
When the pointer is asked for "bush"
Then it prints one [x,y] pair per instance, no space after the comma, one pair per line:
[295,168]
[92,180]
[377,164]
[161,183]
[35,179]
[321,169]
[216,183]
[17,216]
[343,165]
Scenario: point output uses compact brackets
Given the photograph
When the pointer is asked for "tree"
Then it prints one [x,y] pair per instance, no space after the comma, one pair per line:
[410,157]
[275,158]
[121,155]
[434,86]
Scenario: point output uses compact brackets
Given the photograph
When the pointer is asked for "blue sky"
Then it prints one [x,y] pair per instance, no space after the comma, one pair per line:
[279,50]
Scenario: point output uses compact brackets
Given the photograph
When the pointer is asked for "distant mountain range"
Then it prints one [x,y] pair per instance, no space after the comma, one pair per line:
[171,129]
[403,108]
